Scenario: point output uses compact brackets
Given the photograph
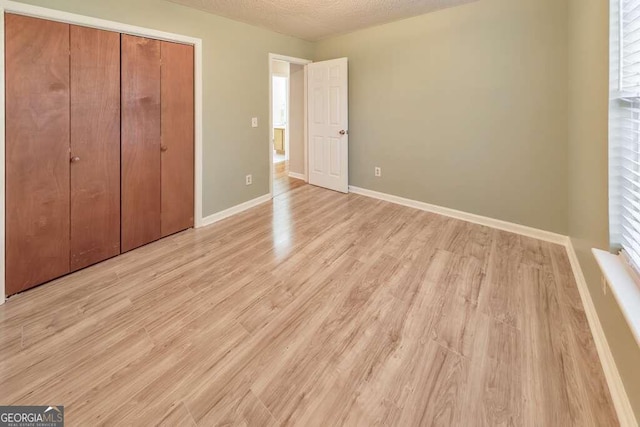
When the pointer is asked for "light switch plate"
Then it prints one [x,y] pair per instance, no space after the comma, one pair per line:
[254,122]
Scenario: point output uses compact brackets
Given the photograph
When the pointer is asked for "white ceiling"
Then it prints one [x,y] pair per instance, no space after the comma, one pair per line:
[318,19]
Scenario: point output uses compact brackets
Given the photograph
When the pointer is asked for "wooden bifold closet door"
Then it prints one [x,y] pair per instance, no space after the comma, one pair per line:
[37,151]
[140,141]
[157,140]
[63,149]
[95,146]
[177,138]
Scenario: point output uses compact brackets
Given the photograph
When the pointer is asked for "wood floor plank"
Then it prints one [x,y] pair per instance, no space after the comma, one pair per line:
[551,392]
[247,410]
[282,183]
[160,379]
[330,341]
[502,298]
[494,394]
[437,390]
[90,371]
[317,308]
[278,341]
[177,415]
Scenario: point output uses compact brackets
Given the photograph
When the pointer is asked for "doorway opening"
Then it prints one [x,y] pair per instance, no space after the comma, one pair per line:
[288,124]
[280,108]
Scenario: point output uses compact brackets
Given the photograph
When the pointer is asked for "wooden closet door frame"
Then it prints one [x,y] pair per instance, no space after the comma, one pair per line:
[8,6]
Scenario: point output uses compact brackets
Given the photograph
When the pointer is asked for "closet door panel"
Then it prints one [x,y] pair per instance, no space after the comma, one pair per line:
[177,137]
[37,151]
[140,155]
[95,146]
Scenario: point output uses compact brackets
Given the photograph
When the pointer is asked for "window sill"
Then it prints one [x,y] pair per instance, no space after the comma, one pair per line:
[624,288]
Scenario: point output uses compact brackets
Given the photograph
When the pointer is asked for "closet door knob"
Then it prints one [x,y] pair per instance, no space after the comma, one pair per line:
[75,159]
[163,148]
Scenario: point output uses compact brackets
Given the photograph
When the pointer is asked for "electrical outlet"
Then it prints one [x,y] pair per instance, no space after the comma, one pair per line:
[254,122]
[248,179]
[377,171]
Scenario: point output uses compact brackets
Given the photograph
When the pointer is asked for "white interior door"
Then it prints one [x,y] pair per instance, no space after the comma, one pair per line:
[328,109]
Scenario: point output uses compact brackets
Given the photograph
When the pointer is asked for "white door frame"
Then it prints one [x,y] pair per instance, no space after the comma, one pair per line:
[290,60]
[72,18]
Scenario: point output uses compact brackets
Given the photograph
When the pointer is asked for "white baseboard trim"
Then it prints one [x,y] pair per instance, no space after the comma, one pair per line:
[626,416]
[297,176]
[219,216]
[465,216]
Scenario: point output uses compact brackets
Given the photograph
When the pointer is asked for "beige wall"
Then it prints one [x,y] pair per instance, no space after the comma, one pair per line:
[588,164]
[464,108]
[236,88]
[296,119]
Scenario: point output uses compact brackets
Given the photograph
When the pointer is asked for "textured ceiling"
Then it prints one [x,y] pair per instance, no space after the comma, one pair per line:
[318,19]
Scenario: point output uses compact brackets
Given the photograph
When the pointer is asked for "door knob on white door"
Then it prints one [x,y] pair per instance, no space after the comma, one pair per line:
[344,132]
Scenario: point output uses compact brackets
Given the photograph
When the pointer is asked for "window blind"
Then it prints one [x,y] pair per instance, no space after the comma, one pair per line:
[625,128]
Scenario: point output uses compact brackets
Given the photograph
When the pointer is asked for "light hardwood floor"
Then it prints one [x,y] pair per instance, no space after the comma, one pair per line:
[316,309]
[282,182]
